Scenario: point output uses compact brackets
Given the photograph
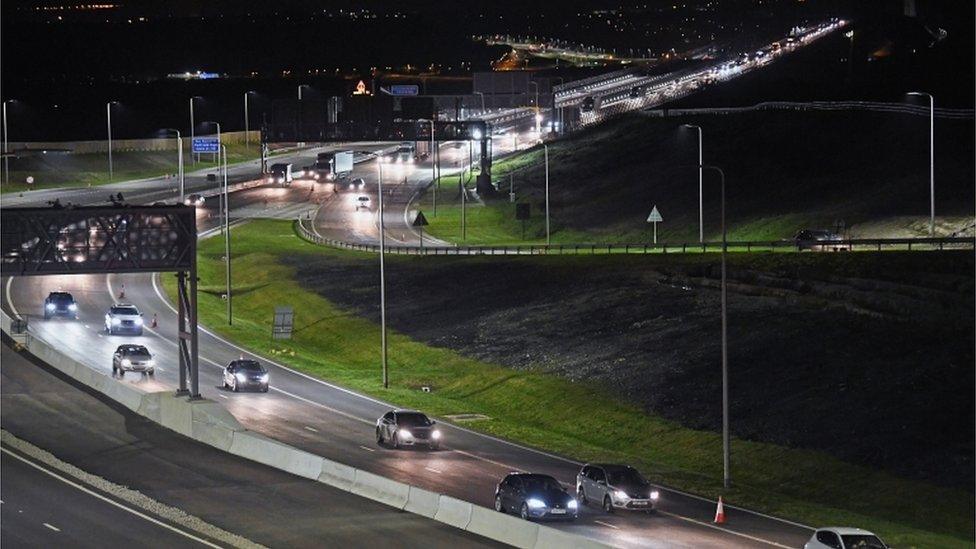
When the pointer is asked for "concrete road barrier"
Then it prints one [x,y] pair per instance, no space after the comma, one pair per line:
[337,474]
[550,538]
[504,528]
[212,424]
[381,489]
[268,451]
[422,502]
[454,512]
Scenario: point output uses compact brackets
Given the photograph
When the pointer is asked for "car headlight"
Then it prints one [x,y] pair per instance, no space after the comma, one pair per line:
[331,177]
[571,504]
[405,433]
[73,307]
[138,322]
[126,362]
[410,160]
[316,176]
[535,503]
[116,322]
[240,376]
[620,494]
[150,363]
[49,306]
[655,494]
[264,378]
[435,434]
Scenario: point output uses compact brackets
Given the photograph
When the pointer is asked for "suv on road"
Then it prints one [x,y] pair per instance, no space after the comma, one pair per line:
[60,304]
[123,318]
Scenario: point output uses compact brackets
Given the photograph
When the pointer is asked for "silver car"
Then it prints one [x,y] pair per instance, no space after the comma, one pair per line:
[133,358]
[123,318]
[615,487]
[407,428]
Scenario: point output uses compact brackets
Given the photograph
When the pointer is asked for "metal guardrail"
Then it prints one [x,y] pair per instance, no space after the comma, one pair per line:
[860,244]
[903,108]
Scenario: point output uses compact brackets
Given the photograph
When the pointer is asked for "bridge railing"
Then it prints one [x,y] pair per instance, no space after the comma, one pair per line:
[306,231]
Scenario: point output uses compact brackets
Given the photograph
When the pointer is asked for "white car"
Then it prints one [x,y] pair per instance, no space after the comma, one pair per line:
[362,202]
[123,318]
[615,487]
[841,537]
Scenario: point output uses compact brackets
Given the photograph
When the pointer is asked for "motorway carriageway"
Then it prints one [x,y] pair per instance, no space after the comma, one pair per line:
[338,424]
[46,507]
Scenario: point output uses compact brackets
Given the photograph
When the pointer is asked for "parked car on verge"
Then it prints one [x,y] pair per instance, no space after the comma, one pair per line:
[820,240]
[615,487]
[839,537]
[133,358]
[407,428]
[60,304]
[246,374]
[123,318]
[535,496]
[362,202]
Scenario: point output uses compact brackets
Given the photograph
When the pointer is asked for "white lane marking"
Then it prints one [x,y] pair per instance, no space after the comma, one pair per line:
[432,470]
[367,448]
[222,396]
[10,300]
[52,527]
[720,529]
[109,501]
[312,429]
[608,525]
[491,461]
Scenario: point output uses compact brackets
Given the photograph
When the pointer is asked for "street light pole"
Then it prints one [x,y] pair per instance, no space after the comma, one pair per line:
[931,159]
[226,198]
[179,160]
[701,215]
[726,476]
[545,149]
[192,156]
[6,148]
[247,126]
[386,379]
[108,112]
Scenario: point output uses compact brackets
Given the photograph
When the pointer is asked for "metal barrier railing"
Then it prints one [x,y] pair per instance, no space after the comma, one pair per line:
[858,244]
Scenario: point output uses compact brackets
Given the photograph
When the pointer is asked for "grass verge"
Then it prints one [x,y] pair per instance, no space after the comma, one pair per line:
[533,408]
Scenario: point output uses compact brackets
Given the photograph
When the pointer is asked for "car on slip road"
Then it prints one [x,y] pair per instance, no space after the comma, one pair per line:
[362,202]
[615,487]
[123,318]
[60,304]
[820,240]
[408,428]
[246,374]
[133,358]
[535,496]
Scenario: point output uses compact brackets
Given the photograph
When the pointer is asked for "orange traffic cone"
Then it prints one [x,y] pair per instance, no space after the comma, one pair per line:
[719,512]
[153,323]
[122,292]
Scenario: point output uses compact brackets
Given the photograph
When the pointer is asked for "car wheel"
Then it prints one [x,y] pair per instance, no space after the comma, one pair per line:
[115,369]
[435,446]
[379,436]
[524,511]
[265,389]
[581,495]
[498,504]
[607,504]
[236,388]
[47,316]
[140,333]
[152,373]
[121,372]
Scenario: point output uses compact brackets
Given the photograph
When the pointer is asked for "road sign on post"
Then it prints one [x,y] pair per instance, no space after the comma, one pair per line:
[420,222]
[284,321]
[655,218]
[206,145]
[404,89]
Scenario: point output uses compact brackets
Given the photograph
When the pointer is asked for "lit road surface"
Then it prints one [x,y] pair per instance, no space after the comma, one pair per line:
[260,503]
[43,507]
[338,424]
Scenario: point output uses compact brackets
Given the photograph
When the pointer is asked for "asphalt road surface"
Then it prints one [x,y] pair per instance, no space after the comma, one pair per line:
[265,505]
[339,424]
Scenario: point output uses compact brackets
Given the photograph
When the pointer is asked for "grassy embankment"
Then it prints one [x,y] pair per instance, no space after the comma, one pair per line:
[785,171]
[532,407]
[89,170]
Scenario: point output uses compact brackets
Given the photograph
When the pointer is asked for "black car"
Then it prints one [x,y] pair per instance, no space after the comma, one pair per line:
[60,304]
[407,428]
[820,240]
[246,374]
[535,496]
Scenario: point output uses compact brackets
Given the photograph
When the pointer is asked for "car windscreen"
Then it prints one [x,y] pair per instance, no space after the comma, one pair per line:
[413,420]
[540,483]
[60,298]
[250,366]
[124,311]
[625,476]
[858,541]
[135,351]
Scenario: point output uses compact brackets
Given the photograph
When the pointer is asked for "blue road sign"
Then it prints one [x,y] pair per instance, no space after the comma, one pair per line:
[404,89]
[206,145]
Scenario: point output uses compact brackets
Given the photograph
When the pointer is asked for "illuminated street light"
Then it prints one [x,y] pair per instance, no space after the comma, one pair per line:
[379,167]
[179,157]
[247,121]
[701,216]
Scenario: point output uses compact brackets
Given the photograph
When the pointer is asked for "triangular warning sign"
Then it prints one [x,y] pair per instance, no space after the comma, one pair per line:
[655,216]
[420,220]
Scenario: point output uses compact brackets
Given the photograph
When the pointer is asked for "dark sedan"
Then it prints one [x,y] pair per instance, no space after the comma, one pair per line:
[60,304]
[820,241]
[535,496]
[245,374]
[407,428]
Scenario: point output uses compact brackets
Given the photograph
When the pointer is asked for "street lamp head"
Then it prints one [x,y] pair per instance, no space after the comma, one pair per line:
[691,126]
